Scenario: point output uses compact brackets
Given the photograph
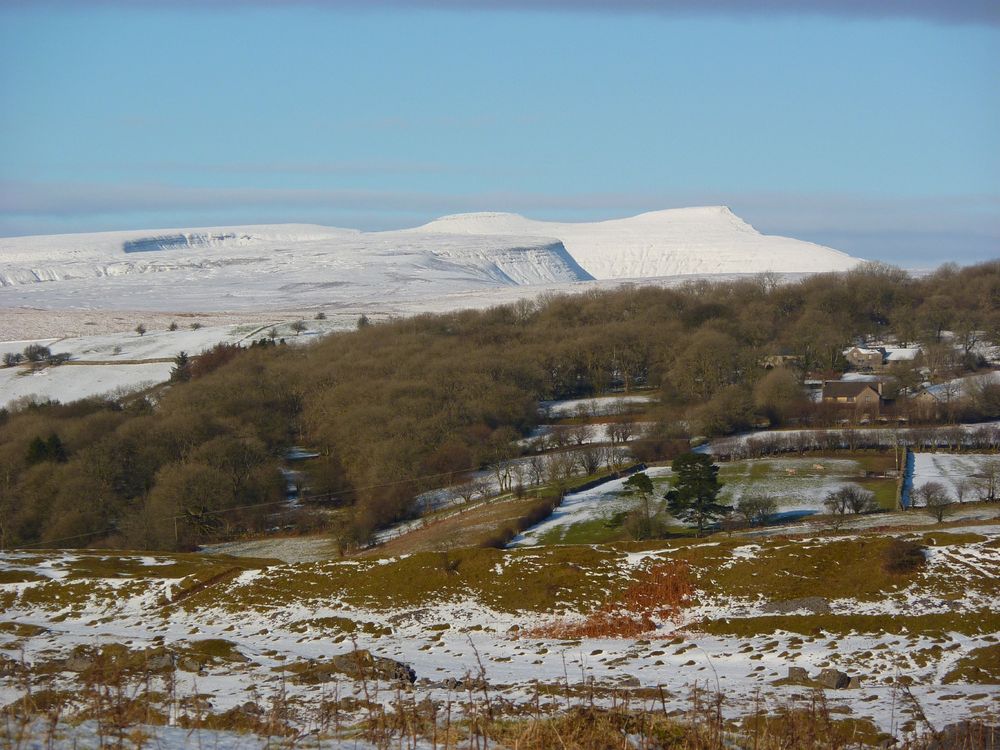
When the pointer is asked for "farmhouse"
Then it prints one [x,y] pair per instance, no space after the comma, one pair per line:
[863,395]
[929,403]
[865,359]
[874,359]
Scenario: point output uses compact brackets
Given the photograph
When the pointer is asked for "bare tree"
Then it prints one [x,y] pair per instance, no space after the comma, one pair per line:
[936,500]
[756,507]
[466,491]
[519,472]
[851,499]
[559,470]
[988,481]
[483,487]
[860,500]
[590,458]
[559,436]
[963,488]
[536,469]
[580,433]
[503,473]
[615,458]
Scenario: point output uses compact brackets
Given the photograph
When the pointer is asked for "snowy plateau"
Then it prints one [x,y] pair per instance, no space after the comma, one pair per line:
[291,265]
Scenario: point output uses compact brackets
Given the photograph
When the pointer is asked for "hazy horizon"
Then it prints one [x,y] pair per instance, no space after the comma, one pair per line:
[872,131]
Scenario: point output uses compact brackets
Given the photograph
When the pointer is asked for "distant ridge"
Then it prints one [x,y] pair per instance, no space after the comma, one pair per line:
[272,266]
[680,241]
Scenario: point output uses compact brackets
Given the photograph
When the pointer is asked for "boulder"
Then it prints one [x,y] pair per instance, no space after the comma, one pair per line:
[9,667]
[158,660]
[188,663]
[833,679]
[78,662]
[475,684]
[798,675]
[362,664]
[855,682]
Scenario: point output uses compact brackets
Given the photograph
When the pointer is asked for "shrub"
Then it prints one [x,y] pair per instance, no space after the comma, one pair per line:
[902,557]
[657,594]
[36,352]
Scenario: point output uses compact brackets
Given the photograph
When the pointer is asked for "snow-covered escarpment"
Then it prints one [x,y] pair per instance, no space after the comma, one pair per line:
[707,240]
[279,266]
[226,268]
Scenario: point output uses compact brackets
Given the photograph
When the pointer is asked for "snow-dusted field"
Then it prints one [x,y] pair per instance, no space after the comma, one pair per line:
[601,406]
[799,485]
[582,507]
[71,382]
[953,470]
[103,363]
[283,615]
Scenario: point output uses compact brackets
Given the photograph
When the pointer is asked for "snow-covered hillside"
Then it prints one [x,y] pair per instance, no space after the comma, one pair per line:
[292,265]
[266,266]
[705,240]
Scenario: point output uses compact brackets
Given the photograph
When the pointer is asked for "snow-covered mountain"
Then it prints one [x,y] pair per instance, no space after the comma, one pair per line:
[292,265]
[267,266]
[706,240]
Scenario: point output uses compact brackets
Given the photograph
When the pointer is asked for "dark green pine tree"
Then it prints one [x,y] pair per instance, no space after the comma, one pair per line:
[50,449]
[181,372]
[55,449]
[693,498]
[37,451]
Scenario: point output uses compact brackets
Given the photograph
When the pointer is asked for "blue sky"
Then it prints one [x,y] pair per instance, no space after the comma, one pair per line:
[877,135]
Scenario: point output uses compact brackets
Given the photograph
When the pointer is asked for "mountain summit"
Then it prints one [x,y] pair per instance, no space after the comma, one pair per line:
[274,266]
[702,240]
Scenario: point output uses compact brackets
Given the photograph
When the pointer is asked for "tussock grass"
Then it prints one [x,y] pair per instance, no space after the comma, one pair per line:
[657,594]
[947,539]
[981,665]
[979,622]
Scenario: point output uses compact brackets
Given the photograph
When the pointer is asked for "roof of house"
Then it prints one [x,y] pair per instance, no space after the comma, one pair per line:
[846,389]
[902,355]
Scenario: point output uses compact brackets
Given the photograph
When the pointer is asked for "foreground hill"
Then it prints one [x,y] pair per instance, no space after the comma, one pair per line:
[706,240]
[514,633]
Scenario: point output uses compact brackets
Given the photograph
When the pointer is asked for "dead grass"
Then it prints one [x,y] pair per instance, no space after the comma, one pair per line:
[979,622]
[658,593]
[981,666]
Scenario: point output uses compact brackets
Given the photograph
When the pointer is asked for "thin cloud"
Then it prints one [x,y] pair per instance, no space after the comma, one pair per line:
[770,212]
[346,169]
[985,12]
[922,230]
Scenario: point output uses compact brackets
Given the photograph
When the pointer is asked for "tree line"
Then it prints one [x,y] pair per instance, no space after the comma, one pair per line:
[400,407]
